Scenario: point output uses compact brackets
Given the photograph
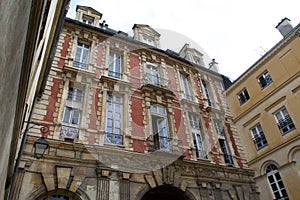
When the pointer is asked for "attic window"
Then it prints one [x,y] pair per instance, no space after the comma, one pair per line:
[148,41]
[88,20]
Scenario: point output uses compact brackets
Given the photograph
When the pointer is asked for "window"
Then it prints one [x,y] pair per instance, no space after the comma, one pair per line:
[82,56]
[152,74]
[258,136]
[264,80]
[87,20]
[160,127]
[276,183]
[115,65]
[224,149]
[185,87]
[74,94]
[71,116]
[284,121]
[243,96]
[114,109]
[148,41]
[207,93]
[196,133]
[219,128]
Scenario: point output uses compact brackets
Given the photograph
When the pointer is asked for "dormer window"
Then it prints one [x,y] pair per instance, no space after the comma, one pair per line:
[144,33]
[148,41]
[87,21]
[88,15]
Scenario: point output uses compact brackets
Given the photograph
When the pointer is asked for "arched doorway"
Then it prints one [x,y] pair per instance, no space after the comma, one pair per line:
[165,192]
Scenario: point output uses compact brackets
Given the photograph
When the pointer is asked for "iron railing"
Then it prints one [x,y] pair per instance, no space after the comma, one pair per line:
[228,159]
[112,138]
[115,74]
[156,142]
[69,131]
[80,65]
[157,81]
[188,97]
[200,153]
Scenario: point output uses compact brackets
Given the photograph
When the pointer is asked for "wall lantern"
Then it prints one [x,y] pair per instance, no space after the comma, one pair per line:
[40,146]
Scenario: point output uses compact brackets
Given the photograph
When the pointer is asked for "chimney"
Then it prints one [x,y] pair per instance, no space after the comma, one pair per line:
[213,65]
[284,27]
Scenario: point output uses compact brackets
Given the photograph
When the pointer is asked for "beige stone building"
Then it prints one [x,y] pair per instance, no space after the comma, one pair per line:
[126,120]
[29,31]
[265,102]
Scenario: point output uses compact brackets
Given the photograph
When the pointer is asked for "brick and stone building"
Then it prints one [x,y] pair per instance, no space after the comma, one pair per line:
[264,102]
[125,119]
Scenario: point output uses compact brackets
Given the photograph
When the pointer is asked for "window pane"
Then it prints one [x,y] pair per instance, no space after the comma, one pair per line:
[109,122]
[67,113]
[78,95]
[162,127]
[78,54]
[75,119]
[85,56]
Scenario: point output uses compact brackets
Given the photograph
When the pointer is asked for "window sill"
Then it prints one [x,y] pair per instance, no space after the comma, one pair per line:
[114,145]
[262,147]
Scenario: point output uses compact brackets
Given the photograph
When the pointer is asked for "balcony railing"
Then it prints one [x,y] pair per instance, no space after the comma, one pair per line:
[69,131]
[111,138]
[228,159]
[157,81]
[200,153]
[115,74]
[188,97]
[156,142]
[80,65]
[286,125]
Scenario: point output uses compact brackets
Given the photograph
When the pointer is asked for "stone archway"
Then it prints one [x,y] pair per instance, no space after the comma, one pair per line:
[165,192]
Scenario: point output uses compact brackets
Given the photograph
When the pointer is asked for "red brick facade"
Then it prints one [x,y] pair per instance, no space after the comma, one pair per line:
[96,81]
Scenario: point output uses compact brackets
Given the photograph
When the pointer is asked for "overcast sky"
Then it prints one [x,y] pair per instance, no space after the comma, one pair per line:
[234,32]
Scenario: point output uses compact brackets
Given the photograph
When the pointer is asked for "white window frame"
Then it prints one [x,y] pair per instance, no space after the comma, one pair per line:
[284,121]
[153,74]
[197,137]
[148,41]
[160,127]
[114,120]
[225,151]
[81,59]
[75,94]
[71,116]
[243,96]
[258,137]
[219,129]
[185,86]
[264,80]
[277,186]
[207,93]
[115,65]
